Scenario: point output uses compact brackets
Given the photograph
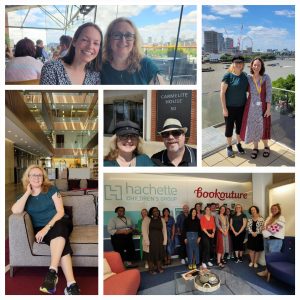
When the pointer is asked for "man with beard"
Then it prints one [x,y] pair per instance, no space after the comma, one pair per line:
[177,153]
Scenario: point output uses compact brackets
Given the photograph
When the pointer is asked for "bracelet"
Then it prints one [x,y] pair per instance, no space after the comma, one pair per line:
[50,226]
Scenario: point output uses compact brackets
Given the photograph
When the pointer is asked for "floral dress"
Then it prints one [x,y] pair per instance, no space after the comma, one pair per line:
[254,126]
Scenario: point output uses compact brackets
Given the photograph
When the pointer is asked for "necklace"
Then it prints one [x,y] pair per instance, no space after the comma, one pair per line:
[258,86]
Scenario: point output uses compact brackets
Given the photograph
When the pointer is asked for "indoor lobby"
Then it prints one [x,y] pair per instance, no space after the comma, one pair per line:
[139,191]
[58,131]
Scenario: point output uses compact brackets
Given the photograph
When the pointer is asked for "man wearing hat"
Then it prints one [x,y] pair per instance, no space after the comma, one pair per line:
[125,147]
[233,99]
[176,154]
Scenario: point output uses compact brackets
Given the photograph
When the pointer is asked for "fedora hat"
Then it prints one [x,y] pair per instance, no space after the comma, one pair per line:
[172,124]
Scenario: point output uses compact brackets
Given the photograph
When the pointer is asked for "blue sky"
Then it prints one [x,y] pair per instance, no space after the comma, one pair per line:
[156,21]
[269,26]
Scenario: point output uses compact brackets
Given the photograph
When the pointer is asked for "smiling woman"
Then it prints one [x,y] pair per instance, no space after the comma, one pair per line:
[82,63]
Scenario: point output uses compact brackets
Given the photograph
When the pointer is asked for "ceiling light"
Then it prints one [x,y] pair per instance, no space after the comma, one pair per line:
[16,135]
[9,131]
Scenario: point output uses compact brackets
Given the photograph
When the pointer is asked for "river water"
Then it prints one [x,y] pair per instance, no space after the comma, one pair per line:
[211,81]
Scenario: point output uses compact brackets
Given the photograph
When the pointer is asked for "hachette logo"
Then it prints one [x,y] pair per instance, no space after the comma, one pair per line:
[200,193]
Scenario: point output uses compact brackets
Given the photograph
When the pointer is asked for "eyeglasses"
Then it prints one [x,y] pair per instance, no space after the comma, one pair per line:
[36,176]
[127,137]
[119,36]
[174,133]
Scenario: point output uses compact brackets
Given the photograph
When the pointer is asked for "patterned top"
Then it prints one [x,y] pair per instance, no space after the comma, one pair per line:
[259,225]
[255,124]
[54,73]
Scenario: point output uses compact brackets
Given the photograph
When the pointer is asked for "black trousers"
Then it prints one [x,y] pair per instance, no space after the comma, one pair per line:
[182,248]
[207,247]
[123,243]
[61,228]
[235,116]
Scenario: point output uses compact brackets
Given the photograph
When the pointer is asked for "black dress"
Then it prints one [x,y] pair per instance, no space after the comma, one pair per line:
[255,243]
[156,238]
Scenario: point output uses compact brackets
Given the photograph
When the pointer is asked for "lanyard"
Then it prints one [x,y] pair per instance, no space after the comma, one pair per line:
[258,87]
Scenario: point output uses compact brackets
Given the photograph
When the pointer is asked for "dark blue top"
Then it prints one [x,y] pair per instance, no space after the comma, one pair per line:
[180,221]
[236,91]
[41,208]
[147,72]
[142,160]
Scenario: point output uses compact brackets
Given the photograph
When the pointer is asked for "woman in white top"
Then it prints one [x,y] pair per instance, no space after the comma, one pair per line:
[273,232]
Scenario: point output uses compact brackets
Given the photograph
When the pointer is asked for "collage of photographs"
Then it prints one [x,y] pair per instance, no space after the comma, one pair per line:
[195,103]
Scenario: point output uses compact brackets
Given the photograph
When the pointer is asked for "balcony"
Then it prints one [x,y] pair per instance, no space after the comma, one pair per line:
[282,143]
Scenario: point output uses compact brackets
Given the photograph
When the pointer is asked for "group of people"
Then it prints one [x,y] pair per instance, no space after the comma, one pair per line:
[250,115]
[126,150]
[203,235]
[90,59]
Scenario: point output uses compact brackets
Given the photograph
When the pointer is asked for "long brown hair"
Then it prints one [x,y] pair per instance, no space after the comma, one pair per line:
[46,182]
[135,56]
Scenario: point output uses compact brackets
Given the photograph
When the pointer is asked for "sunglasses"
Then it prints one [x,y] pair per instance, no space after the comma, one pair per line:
[119,36]
[174,133]
[127,137]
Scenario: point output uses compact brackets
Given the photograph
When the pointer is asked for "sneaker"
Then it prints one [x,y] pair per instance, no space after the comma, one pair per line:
[190,267]
[209,264]
[251,265]
[146,265]
[194,266]
[240,148]
[49,284]
[183,261]
[240,259]
[73,289]
[236,260]
[230,152]
[255,265]
[204,266]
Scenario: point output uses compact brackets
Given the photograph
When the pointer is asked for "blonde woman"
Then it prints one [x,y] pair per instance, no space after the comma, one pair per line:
[233,98]
[126,147]
[274,231]
[123,59]
[44,204]
[238,224]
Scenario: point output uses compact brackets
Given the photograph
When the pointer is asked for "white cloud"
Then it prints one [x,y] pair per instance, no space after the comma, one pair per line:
[162,9]
[285,13]
[210,17]
[233,11]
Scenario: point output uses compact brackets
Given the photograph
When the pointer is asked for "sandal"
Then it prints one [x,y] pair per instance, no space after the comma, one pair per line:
[220,265]
[254,153]
[266,152]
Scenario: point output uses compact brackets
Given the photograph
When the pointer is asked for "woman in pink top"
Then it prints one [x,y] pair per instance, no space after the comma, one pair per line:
[208,227]
[23,66]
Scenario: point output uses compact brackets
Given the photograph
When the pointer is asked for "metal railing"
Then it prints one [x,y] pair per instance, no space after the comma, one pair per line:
[282,109]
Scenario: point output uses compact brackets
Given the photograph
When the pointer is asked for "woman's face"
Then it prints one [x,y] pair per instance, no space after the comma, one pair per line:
[87,45]
[127,143]
[253,211]
[122,40]
[238,66]
[274,210]
[238,208]
[121,212]
[256,66]
[222,210]
[36,177]
[207,211]
[194,213]
[155,213]
[144,213]
[166,213]
[198,207]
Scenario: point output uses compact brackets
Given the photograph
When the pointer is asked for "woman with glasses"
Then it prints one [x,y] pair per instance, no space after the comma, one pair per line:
[238,223]
[233,98]
[51,225]
[82,63]
[126,147]
[123,59]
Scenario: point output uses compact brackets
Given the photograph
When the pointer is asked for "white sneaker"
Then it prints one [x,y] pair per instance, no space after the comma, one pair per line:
[255,265]
[204,266]
[183,261]
[251,265]
[209,264]
[146,265]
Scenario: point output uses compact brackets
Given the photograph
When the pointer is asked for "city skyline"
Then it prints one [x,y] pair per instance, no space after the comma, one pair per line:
[268,26]
[159,22]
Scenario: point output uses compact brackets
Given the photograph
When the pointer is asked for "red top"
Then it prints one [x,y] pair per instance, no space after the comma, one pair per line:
[208,224]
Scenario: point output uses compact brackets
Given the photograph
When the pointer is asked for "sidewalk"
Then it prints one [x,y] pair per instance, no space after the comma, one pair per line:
[214,152]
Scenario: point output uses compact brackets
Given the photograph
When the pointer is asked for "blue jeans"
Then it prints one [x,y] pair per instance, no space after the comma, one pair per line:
[192,248]
[272,245]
